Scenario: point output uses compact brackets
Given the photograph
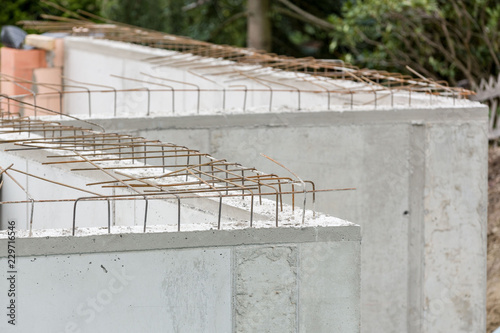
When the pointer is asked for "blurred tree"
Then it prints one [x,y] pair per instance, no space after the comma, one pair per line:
[301,28]
[289,28]
[91,6]
[454,40]
[259,25]
[14,11]
[443,39]
[143,13]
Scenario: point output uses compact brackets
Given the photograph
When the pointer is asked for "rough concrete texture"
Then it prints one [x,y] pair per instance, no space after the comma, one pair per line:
[322,268]
[421,189]
[455,203]
[266,289]
[243,281]
[153,291]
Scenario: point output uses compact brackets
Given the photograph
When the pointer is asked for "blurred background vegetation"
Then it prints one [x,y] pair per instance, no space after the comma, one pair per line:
[453,40]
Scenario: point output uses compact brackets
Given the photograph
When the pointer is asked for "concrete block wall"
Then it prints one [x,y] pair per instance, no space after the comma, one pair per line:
[19,64]
[421,197]
[37,65]
[252,280]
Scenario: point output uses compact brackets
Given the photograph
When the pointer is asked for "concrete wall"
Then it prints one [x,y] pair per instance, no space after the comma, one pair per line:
[90,63]
[59,214]
[252,280]
[421,197]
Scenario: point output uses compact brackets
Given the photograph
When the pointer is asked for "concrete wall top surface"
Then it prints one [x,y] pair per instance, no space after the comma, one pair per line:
[50,245]
[57,198]
[321,118]
[122,66]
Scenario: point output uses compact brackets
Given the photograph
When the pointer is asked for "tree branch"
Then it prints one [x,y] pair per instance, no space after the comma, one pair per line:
[444,51]
[308,17]
[227,22]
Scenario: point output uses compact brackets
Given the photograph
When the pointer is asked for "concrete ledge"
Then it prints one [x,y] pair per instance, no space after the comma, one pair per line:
[178,240]
[301,119]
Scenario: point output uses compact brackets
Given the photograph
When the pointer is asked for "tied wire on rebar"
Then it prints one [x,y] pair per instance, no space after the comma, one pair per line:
[268,82]
[83,23]
[260,80]
[140,169]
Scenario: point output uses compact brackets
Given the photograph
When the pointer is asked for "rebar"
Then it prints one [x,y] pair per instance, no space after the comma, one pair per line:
[166,175]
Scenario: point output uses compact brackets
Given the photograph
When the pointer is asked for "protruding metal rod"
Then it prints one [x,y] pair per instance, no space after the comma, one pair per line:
[109,216]
[300,179]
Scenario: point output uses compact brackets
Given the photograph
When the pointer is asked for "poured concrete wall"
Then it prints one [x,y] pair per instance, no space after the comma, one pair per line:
[420,174]
[106,58]
[89,213]
[421,196]
[204,85]
[252,280]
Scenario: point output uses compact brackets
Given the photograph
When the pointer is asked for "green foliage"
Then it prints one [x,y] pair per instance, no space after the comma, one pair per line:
[91,6]
[293,36]
[224,22]
[14,11]
[143,13]
[216,21]
[443,39]
[221,22]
